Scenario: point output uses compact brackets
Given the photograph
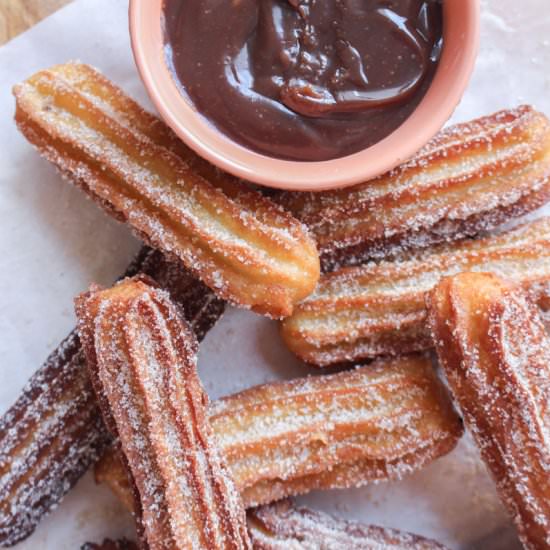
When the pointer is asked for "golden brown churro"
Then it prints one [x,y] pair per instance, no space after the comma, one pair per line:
[281,526]
[469,178]
[242,245]
[379,309]
[376,422]
[54,431]
[495,351]
[142,362]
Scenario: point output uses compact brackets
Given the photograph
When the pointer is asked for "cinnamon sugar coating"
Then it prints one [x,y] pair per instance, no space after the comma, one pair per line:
[379,309]
[48,440]
[469,178]
[370,424]
[54,431]
[282,526]
[142,361]
[495,351]
[239,243]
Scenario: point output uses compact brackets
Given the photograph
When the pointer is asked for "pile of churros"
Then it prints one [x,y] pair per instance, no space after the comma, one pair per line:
[383,280]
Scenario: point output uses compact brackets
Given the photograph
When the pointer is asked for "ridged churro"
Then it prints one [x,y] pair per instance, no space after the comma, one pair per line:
[54,431]
[495,351]
[379,309]
[48,439]
[142,361]
[281,526]
[376,422]
[469,178]
[239,243]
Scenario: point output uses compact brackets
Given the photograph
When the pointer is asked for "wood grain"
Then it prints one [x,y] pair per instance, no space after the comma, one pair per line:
[19,15]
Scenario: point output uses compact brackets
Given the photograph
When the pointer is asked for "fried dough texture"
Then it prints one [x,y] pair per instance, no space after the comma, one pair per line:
[493,346]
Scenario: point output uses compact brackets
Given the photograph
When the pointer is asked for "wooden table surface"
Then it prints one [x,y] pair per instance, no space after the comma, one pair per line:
[18,15]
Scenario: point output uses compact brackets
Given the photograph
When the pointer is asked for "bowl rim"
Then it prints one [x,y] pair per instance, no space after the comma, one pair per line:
[461,20]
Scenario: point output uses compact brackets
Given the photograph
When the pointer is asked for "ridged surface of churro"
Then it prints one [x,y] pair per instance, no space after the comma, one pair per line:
[242,245]
[469,178]
[282,526]
[377,422]
[142,362]
[379,309]
[54,431]
[48,439]
[495,351]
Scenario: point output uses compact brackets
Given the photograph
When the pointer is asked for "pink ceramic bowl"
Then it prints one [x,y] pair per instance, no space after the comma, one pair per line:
[461,38]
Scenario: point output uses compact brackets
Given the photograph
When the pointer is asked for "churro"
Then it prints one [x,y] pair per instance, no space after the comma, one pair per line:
[239,243]
[142,361]
[495,351]
[48,439]
[281,525]
[379,309]
[54,431]
[376,422]
[469,178]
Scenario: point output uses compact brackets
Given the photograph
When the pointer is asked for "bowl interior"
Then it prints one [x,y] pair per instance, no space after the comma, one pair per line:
[460,35]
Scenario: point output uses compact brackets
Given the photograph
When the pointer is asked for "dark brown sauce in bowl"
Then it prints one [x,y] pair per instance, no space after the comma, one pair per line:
[306,80]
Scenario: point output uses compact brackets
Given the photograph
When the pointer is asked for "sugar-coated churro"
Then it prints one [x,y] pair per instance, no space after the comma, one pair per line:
[469,178]
[495,351]
[373,423]
[239,243]
[48,439]
[142,361]
[379,309]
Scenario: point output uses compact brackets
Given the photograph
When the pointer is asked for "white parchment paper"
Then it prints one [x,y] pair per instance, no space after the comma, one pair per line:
[53,243]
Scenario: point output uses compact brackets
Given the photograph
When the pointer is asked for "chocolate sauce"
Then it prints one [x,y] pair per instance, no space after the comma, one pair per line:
[304,79]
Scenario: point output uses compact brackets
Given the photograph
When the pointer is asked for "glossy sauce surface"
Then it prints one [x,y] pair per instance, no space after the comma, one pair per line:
[304,79]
